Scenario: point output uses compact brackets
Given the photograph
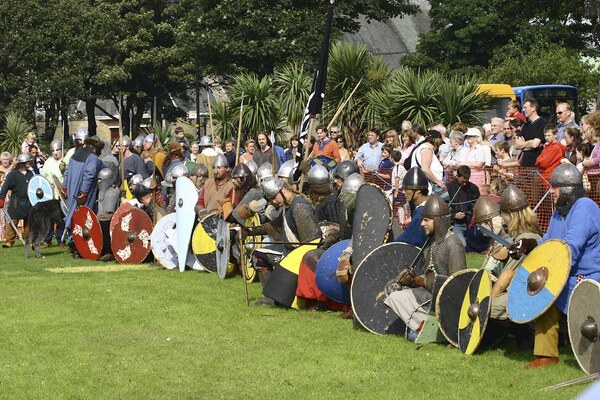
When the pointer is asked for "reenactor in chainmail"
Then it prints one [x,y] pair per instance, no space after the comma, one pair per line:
[245,191]
[177,171]
[321,193]
[108,201]
[410,295]
[298,222]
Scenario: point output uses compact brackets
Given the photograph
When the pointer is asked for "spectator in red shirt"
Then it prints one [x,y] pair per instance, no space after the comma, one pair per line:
[551,155]
[324,146]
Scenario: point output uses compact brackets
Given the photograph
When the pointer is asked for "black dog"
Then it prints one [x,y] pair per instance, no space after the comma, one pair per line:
[42,218]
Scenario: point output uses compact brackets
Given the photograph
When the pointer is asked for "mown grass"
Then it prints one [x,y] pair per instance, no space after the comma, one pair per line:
[150,333]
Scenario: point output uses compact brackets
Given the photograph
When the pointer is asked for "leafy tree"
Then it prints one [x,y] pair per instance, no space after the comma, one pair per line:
[14,132]
[464,34]
[292,85]
[220,36]
[547,64]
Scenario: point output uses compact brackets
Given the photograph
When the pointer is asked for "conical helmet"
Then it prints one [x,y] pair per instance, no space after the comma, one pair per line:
[485,209]
[23,158]
[199,170]
[435,206]
[415,179]
[352,183]
[264,171]
[136,179]
[204,142]
[150,138]
[220,161]
[513,199]
[345,169]
[241,171]
[81,134]
[566,175]
[271,186]
[253,166]
[179,170]
[106,178]
[56,144]
[317,175]
[126,141]
[286,169]
[139,141]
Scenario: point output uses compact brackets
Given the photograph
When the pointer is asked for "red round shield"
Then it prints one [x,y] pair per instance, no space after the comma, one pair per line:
[130,240]
[122,209]
[87,234]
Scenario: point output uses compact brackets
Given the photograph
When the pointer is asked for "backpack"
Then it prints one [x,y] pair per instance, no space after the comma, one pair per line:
[407,162]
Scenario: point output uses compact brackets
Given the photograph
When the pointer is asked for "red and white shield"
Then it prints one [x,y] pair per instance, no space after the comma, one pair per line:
[130,240]
[87,234]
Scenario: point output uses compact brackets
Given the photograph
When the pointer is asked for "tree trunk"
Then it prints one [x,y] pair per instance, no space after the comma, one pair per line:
[90,111]
[138,116]
[64,112]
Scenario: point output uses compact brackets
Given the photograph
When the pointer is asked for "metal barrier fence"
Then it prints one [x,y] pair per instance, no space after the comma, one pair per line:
[529,180]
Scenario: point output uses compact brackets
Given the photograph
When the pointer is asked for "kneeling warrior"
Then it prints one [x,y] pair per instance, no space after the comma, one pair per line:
[410,295]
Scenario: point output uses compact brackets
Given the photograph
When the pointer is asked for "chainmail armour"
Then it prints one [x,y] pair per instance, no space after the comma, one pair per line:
[253,193]
[306,221]
[108,200]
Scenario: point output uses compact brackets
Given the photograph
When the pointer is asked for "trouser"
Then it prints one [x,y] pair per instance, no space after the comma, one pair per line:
[60,229]
[411,305]
[546,333]
[11,235]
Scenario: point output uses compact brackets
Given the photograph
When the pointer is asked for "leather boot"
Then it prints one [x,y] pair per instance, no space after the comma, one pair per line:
[263,275]
[73,249]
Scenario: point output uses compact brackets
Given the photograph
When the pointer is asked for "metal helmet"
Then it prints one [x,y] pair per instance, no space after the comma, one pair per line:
[317,175]
[136,179]
[23,158]
[150,138]
[199,170]
[513,199]
[345,169]
[253,166]
[566,175]
[569,180]
[286,169]
[241,171]
[415,179]
[140,191]
[168,182]
[81,134]
[271,186]
[179,170]
[126,141]
[106,177]
[149,183]
[56,144]
[264,171]
[435,206]
[485,209]
[204,141]
[352,183]
[139,141]
[220,161]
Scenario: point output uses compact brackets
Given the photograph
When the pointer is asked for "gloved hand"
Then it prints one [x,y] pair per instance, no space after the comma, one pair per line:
[82,198]
[419,281]
[522,247]
[327,242]
[2,202]
[62,166]
[405,278]
[343,271]
[392,287]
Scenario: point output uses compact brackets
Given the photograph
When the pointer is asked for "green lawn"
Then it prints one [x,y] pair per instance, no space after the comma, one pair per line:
[152,333]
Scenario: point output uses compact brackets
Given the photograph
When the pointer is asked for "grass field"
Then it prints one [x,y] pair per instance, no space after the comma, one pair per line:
[139,332]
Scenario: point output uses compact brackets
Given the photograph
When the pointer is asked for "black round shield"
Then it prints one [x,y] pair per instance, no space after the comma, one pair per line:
[449,301]
[372,220]
[475,312]
[367,292]
[584,325]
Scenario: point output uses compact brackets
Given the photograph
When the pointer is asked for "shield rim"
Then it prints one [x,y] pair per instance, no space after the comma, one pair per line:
[194,247]
[571,324]
[438,299]
[317,274]
[183,190]
[356,317]
[564,281]
[485,275]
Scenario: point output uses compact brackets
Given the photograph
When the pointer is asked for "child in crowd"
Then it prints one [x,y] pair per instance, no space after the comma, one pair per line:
[398,198]
[513,111]
[503,158]
[583,151]
[385,167]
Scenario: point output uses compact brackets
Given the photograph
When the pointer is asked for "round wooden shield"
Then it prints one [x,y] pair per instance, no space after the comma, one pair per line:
[223,247]
[372,221]
[327,281]
[325,161]
[475,312]
[538,281]
[39,189]
[283,281]
[121,210]
[204,244]
[130,240]
[449,302]
[87,233]
[367,292]
[584,325]
[164,252]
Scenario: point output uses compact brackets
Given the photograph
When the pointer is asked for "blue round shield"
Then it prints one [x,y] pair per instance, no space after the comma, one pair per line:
[327,281]
[39,189]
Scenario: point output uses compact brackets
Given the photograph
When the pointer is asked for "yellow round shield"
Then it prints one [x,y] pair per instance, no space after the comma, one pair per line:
[474,312]
[538,281]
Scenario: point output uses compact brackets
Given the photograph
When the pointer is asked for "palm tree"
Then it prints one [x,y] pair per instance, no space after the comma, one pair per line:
[292,85]
[14,132]
[225,117]
[459,101]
